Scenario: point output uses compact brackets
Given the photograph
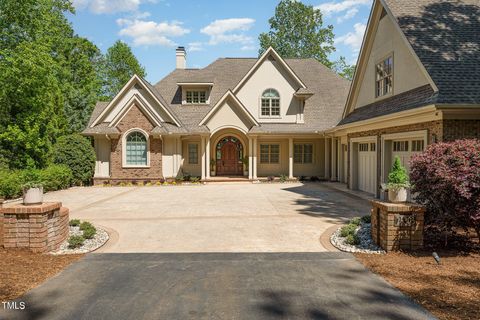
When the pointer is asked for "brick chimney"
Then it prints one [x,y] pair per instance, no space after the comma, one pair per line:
[181,56]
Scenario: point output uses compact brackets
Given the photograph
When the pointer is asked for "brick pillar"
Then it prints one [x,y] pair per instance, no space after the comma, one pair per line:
[397,226]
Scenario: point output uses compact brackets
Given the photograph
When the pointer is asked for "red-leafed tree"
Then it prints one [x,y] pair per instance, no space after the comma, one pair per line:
[446,179]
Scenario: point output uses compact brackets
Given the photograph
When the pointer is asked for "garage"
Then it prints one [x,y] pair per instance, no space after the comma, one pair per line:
[363,164]
[404,149]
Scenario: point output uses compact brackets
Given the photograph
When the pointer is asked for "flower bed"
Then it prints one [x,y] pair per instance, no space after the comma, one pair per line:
[356,237]
[83,238]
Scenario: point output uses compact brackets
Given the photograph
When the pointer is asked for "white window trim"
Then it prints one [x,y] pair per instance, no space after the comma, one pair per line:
[260,116]
[390,94]
[269,153]
[303,163]
[207,96]
[124,149]
[188,152]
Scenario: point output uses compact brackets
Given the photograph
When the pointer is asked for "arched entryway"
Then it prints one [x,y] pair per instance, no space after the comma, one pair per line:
[228,156]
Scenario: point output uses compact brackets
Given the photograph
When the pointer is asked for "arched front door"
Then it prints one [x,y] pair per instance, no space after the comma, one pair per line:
[229,154]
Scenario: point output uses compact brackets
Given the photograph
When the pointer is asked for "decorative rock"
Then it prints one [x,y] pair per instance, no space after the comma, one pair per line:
[367,245]
[100,238]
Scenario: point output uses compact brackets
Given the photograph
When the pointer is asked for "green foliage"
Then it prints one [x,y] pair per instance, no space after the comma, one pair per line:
[366,219]
[89,232]
[348,229]
[343,69]
[355,221]
[352,239]
[398,177]
[195,179]
[120,65]
[283,178]
[77,153]
[52,178]
[56,177]
[74,223]
[86,225]
[75,242]
[297,31]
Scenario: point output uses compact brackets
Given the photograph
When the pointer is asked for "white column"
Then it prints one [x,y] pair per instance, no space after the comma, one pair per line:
[327,159]
[255,158]
[290,158]
[333,164]
[207,158]
[202,148]
[250,158]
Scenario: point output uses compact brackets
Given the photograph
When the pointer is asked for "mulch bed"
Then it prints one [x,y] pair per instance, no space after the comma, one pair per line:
[449,291]
[22,270]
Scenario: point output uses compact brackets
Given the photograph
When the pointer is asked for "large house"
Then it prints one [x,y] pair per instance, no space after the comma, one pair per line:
[417,83]
[236,117]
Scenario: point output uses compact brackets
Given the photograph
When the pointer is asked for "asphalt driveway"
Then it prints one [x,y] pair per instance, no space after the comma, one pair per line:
[230,217]
[217,286]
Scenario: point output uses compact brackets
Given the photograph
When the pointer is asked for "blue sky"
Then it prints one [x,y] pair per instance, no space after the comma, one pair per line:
[208,29]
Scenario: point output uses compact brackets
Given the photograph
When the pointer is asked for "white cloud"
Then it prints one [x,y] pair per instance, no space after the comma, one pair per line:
[146,33]
[248,48]
[353,39]
[229,31]
[109,6]
[195,46]
[348,8]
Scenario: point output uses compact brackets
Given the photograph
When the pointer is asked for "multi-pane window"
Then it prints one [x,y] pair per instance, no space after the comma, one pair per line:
[384,77]
[193,153]
[303,153]
[269,153]
[270,103]
[196,96]
[136,149]
[418,145]
[400,146]
[373,146]
[363,147]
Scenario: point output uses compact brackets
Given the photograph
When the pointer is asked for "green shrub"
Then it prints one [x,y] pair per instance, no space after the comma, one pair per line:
[56,177]
[352,239]
[75,242]
[195,179]
[86,225]
[10,184]
[348,230]
[77,153]
[398,177]
[89,232]
[366,219]
[283,178]
[356,221]
[74,223]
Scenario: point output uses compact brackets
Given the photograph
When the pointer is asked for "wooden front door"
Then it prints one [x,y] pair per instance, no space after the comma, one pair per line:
[229,152]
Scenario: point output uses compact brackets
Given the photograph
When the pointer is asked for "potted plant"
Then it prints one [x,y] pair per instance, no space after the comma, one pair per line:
[32,193]
[245,166]
[212,167]
[397,183]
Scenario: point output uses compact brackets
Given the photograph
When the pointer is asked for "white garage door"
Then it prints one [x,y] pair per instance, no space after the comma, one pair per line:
[367,167]
[404,149]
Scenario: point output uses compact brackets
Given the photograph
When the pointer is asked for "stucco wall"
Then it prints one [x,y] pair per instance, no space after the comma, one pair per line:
[270,75]
[192,169]
[228,114]
[407,74]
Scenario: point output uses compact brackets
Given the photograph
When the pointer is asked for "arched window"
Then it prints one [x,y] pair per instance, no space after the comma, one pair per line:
[136,149]
[270,103]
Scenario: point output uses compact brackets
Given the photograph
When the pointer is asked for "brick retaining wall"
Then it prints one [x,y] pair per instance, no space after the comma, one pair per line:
[41,228]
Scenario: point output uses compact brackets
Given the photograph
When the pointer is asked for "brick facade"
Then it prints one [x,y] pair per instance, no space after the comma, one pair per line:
[135,118]
[1,222]
[397,226]
[41,228]
[461,129]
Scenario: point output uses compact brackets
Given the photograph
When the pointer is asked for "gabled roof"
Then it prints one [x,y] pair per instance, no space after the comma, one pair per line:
[228,95]
[445,36]
[269,52]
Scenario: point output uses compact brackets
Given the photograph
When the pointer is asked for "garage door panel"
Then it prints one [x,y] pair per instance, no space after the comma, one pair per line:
[367,161]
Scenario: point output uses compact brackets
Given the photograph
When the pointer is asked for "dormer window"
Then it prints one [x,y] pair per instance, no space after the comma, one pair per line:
[196,96]
[270,103]
[384,77]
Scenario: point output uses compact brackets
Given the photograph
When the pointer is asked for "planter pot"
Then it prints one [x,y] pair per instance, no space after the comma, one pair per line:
[33,196]
[397,195]
[245,173]
[212,173]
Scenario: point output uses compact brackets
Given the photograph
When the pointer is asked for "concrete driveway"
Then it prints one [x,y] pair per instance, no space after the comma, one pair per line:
[215,217]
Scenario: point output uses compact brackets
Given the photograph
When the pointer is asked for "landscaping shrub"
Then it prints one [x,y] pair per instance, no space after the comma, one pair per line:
[446,179]
[10,184]
[349,229]
[195,179]
[86,225]
[352,239]
[355,221]
[76,152]
[283,178]
[75,242]
[89,232]
[74,223]
[366,219]
[398,177]
[270,178]
[56,177]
